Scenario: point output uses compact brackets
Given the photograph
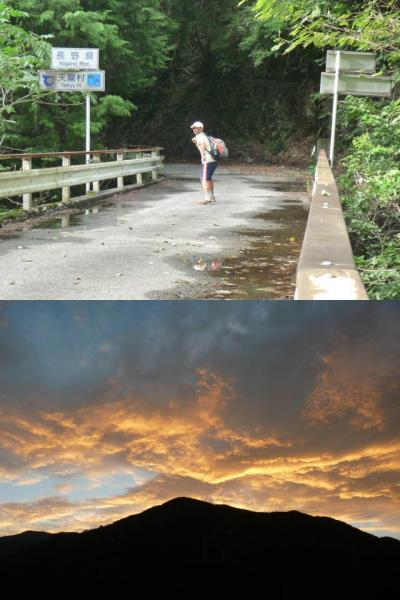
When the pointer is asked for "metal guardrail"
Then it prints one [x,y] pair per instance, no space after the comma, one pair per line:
[326,269]
[29,180]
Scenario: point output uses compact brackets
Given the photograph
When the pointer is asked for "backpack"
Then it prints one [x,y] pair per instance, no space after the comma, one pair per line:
[218,148]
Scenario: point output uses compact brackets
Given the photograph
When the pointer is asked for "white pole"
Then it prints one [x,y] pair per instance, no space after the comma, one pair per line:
[87,134]
[335,104]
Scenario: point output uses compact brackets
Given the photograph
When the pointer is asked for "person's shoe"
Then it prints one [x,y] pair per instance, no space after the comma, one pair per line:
[213,200]
[204,202]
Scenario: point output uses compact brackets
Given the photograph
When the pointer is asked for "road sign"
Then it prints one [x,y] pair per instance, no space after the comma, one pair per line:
[75,70]
[74,58]
[72,81]
[357,85]
[351,62]
[351,73]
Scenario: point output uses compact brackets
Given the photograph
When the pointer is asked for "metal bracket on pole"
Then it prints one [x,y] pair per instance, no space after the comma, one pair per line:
[88,135]
[334,111]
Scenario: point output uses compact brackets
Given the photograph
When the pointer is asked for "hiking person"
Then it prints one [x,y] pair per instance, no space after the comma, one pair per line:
[207,160]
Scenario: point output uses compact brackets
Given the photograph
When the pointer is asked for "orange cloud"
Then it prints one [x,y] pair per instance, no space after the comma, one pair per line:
[305,486]
[346,389]
[194,450]
[176,441]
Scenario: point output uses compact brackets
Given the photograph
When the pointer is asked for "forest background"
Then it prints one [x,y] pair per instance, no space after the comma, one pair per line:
[249,70]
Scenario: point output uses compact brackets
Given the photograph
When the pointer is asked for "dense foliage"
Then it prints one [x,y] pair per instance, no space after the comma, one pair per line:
[134,42]
[371,188]
[21,54]
[369,130]
[224,72]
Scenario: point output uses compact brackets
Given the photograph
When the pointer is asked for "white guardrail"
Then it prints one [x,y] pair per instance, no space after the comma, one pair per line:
[29,180]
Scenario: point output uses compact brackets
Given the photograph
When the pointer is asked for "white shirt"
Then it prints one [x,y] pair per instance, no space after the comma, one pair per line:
[202,139]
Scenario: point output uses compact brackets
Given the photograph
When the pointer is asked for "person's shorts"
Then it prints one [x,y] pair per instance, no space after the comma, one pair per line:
[208,170]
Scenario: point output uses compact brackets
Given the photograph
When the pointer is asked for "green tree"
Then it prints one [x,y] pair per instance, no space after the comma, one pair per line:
[133,39]
[372,25]
[21,54]
[223,71]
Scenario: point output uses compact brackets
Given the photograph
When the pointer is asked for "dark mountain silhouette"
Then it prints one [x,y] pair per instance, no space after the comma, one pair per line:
[12,543]
[188,547]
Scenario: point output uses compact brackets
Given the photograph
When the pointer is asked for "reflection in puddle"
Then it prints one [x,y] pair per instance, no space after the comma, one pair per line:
[61,222]
[211,265]
[70,219]
[266,270]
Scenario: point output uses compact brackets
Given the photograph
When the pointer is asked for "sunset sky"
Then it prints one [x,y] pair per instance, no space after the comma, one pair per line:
[109,408]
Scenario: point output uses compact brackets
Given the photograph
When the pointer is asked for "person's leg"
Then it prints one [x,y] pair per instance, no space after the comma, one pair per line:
[214,166]
[212,190]
[205,183]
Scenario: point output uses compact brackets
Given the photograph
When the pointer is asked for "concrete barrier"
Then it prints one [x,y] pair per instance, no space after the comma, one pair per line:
[326,269]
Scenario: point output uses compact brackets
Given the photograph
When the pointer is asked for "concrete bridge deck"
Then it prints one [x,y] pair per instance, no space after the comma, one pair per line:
[158,243]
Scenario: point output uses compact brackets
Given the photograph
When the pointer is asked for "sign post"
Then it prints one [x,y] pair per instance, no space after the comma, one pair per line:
[87,134]
[334,111]
[351,73]
[73,70]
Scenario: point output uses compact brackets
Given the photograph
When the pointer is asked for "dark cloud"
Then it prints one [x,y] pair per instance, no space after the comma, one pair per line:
[79,354]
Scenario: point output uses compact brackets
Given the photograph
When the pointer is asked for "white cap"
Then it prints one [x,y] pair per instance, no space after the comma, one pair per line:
[197,124]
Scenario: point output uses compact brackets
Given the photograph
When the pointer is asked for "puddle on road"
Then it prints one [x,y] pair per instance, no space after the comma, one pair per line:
[268,186]
[267,269]
[71,220]
[74,218]
[57,222]
[282,186]
[285,187]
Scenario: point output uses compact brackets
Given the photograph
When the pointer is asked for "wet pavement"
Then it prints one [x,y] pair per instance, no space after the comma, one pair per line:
[158,243]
